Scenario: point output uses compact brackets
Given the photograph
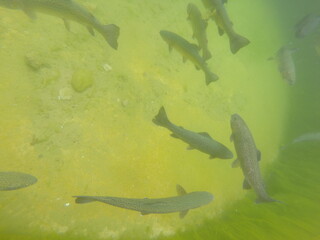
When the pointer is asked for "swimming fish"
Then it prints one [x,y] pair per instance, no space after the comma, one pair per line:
[247,158]
[307,25]
[201,141]
[199,27]
[188,51]
[67,10]
[182,203]
[15,180]
[286,64]
[220,16]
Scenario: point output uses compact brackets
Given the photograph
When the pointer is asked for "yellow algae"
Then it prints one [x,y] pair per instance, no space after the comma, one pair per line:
[103,142]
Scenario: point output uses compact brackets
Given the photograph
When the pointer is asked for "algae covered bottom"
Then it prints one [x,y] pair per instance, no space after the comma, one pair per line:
[77,114]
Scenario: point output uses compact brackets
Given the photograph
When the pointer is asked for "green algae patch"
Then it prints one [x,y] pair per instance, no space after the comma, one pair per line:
[81,80]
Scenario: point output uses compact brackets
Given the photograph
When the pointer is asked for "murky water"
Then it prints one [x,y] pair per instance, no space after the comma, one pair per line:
[77,114]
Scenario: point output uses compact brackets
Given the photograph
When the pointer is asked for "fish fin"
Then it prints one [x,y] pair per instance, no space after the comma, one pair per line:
[190,147]
[66,24]
[237,42]
[267,199]
[205,134]
[161,118]
[31,14]
[90,30]
[235,163]
[220,31]
[184,59]
[231,137]
[83,199]
[110,33]
[197,67]
[144,213]
[206,54]
[174,135]
[258,155]
[180,190]
[183,213]
[210,77]
[246,185]
[212,157]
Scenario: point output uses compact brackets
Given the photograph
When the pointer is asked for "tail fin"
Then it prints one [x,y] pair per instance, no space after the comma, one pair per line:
[267,199]
[206,54]
[237,42]
[83,199]
[210,77]
[161,118]
[111,33]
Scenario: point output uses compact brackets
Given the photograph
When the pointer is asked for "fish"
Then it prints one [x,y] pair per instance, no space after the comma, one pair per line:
[15,180]
[247,158]
[188,51]
[307,25]
[286,65]
[219,14]
[66,10]
[199,27]
[201,141]
[181,203]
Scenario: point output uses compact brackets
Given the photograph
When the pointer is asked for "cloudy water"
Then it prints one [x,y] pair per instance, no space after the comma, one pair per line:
[83,89]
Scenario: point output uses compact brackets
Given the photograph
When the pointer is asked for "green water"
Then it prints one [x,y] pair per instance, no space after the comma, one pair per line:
[101,141]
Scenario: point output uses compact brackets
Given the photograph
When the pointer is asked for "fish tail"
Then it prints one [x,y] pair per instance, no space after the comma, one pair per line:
[237,41]
[210,77]
[161,118]
[266,199]
[83,199]
[111,33]
[206,54]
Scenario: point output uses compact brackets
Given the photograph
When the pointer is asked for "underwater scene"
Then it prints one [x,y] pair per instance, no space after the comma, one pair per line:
[149,119]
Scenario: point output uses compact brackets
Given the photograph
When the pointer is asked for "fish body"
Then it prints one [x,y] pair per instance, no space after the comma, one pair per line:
[188,51]
[306,26]
[286,64]
[67,10]
[247,157]
[200,141]
[182,203]
[199,27]
[15,180]
[220,16]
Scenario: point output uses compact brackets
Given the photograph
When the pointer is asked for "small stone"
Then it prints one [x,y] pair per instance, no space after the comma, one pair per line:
[107,67]
[82,80]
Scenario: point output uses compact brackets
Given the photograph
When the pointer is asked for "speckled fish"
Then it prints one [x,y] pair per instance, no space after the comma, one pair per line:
[199,27]
[220,16]
[307,25]
[201,141]
[182,203]
[286,64]
[188,51]
[67,10]
[247,158]
[15,180]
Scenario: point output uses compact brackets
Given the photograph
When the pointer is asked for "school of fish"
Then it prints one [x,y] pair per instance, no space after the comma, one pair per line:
[248,156]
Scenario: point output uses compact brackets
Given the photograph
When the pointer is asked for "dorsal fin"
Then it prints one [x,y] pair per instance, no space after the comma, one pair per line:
[205,134]
[183,214]
[180,190]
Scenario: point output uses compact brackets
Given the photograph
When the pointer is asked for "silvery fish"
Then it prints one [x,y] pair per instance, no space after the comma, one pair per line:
[220,16]
[309,24]
[188,51]
[67,10]
[15,180]
[201,141]
[286,64]
[247,158]
[199,27]
[182,203]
